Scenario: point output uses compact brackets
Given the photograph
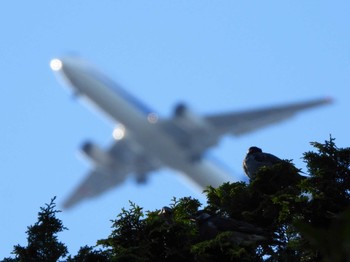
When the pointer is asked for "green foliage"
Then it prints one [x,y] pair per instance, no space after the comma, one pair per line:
[325,220]
[88,254]
[43,245]
[269,201]
[221,248]
[329,183]
[280,215]
[159,237]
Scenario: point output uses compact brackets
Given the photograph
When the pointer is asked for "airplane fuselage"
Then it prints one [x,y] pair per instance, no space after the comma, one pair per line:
[141,123]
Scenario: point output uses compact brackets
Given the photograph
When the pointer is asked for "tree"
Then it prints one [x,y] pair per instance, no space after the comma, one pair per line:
[158,237]
[304,217]
[281,215]
[89,254]
[43,245]
[325,223]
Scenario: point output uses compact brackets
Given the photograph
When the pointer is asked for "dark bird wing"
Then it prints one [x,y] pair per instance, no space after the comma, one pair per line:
[266,158]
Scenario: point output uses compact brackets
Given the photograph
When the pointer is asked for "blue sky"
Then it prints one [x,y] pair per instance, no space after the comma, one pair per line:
[217,56]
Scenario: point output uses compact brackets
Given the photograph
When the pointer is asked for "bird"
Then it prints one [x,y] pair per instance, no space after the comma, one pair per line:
[209,226]
[256,159]
[166,214]
[165,211]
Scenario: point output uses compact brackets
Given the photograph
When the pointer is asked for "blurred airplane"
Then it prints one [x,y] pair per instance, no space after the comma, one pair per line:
[145,143]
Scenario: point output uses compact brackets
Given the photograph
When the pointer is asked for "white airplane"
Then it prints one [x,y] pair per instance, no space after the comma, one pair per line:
[145,143]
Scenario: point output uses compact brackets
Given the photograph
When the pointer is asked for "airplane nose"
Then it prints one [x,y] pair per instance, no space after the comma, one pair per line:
[74,73]
[64,65]
[69,71]
[56,64]
[69,66]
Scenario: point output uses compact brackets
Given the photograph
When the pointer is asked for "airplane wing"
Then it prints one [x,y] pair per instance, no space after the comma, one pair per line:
[239,123]
[125,158]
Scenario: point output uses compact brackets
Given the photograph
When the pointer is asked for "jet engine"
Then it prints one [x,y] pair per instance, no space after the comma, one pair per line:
[189,120]
[180,110]
[96,155]
[193,131]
